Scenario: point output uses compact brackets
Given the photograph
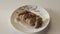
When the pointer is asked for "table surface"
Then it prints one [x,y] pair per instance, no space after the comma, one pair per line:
[8,6]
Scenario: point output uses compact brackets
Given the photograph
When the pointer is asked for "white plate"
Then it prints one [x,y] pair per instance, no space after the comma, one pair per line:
[20,26]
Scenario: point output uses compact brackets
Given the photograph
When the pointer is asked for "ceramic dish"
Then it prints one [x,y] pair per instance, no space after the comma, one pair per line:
[20,26]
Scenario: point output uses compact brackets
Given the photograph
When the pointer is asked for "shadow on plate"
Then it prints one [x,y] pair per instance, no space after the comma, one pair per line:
[44,31]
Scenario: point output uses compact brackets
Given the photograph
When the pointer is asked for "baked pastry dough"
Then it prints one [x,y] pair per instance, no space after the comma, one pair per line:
[30,18]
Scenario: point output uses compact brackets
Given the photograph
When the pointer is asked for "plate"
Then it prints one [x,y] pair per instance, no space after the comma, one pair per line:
[20,26]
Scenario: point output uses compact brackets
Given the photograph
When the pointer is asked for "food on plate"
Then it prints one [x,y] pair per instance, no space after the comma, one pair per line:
[30,18]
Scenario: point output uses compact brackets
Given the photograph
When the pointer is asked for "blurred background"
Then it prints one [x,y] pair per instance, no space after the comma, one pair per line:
[8,6]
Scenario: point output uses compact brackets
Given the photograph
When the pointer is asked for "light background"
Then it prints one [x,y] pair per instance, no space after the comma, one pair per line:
[8,6]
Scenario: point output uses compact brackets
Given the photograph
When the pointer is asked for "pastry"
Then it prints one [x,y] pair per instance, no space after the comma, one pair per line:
[30,19]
